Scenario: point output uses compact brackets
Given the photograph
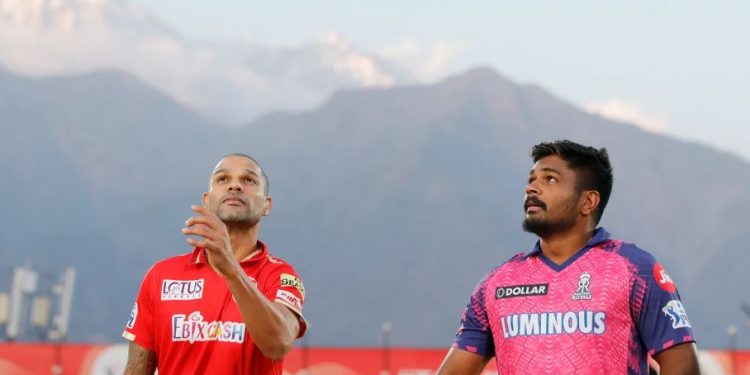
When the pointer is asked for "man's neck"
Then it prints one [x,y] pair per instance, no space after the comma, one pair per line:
[244,241]
[559,247]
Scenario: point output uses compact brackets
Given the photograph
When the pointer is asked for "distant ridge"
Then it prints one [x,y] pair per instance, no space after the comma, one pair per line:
[392,203]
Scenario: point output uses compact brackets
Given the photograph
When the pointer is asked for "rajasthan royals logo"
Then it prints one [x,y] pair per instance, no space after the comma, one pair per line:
[583,287]
[674,310]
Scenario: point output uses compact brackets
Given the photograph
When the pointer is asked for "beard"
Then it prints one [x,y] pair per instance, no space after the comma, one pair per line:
[244,216]
[241,218]
[557,221]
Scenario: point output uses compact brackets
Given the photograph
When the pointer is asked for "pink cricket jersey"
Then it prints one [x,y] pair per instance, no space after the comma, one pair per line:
[186,314]
[603,311]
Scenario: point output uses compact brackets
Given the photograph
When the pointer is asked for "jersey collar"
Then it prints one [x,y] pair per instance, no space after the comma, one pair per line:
[198,257]
[600,235]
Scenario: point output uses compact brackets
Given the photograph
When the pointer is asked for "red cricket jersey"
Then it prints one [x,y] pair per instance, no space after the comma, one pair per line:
[185,313]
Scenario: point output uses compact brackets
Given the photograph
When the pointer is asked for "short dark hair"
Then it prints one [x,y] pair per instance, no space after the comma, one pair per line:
[266,187]
[592,167]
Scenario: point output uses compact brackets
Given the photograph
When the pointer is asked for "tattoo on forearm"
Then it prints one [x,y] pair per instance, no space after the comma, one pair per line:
[140,361]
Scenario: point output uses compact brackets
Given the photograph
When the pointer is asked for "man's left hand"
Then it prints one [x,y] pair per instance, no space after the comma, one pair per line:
[215,239]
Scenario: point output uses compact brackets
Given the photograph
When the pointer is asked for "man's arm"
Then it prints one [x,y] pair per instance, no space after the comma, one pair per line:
[273,326]
[461,362]
[141,361]
[680,359]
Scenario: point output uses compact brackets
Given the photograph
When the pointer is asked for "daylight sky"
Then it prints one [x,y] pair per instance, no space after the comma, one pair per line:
[677,67]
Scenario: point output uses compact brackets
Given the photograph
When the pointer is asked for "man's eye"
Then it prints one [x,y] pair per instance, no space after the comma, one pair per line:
[221,179]
[251,181]
[551,179]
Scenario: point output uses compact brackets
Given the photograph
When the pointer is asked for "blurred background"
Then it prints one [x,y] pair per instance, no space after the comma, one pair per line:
[396,138]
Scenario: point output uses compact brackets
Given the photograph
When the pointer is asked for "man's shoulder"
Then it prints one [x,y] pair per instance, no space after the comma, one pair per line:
[274,264]
[630,251]
[505,266]
[272,259]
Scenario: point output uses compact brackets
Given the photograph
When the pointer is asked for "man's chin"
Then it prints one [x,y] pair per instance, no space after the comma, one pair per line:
[536,227]
[238,220]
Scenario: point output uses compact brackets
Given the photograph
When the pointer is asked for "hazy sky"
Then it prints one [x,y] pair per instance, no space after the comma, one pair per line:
[679,67]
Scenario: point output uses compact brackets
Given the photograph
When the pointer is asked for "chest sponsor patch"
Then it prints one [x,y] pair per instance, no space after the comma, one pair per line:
[291,280]
[554,323]
[529,290]
[181,290]
[193,328]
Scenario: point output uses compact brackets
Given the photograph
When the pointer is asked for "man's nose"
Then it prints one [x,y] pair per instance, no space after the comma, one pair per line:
[531,188]
[235,185]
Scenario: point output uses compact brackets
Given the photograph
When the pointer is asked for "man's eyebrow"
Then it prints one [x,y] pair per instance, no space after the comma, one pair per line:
[546,169]
[550,169]
[223,170]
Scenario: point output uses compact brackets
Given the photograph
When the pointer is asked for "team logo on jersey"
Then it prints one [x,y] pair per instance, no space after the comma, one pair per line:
[291,280]
[663,280]
[289,299]
[181,290]
[193,328]
[583,292]
[133,316]
[674,310]
[554,323]
[529,290]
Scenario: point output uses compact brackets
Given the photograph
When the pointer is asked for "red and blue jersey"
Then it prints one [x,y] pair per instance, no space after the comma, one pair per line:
[186,314]
[604,310]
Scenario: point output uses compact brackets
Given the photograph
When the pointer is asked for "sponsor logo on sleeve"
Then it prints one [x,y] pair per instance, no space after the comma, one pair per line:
[674,310]
[291,280]
[521,291]
[181,290]
[289,299]
[133,316]
[582,291]
[663,280]
[193,328]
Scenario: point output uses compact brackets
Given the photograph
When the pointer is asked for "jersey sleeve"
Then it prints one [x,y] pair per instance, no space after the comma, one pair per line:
[657,308]
[474,334]
[140,326]
[286,287]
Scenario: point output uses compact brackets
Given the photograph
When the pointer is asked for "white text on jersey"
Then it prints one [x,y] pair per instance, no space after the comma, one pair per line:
[553,323]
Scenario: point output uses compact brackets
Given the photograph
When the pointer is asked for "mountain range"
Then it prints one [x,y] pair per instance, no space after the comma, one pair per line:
[391,202]
[230,80]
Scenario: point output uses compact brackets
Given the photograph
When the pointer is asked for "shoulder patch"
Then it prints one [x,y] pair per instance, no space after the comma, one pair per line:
[293,281]
[662,279]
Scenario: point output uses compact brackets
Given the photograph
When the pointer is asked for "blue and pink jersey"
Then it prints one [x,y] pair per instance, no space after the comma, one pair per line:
[601,312]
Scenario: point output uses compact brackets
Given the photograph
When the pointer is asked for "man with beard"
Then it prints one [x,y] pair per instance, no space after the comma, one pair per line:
[227,307]
[579,302]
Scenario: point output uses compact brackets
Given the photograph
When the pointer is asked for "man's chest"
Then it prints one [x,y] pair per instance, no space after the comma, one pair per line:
[531,298]
[197,307]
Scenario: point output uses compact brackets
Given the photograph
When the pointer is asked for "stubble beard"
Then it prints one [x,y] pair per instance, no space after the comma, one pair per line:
[544,227]
[238,218]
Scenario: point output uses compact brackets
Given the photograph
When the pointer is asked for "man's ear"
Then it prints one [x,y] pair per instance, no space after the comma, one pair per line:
[591,201]
[267,205]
